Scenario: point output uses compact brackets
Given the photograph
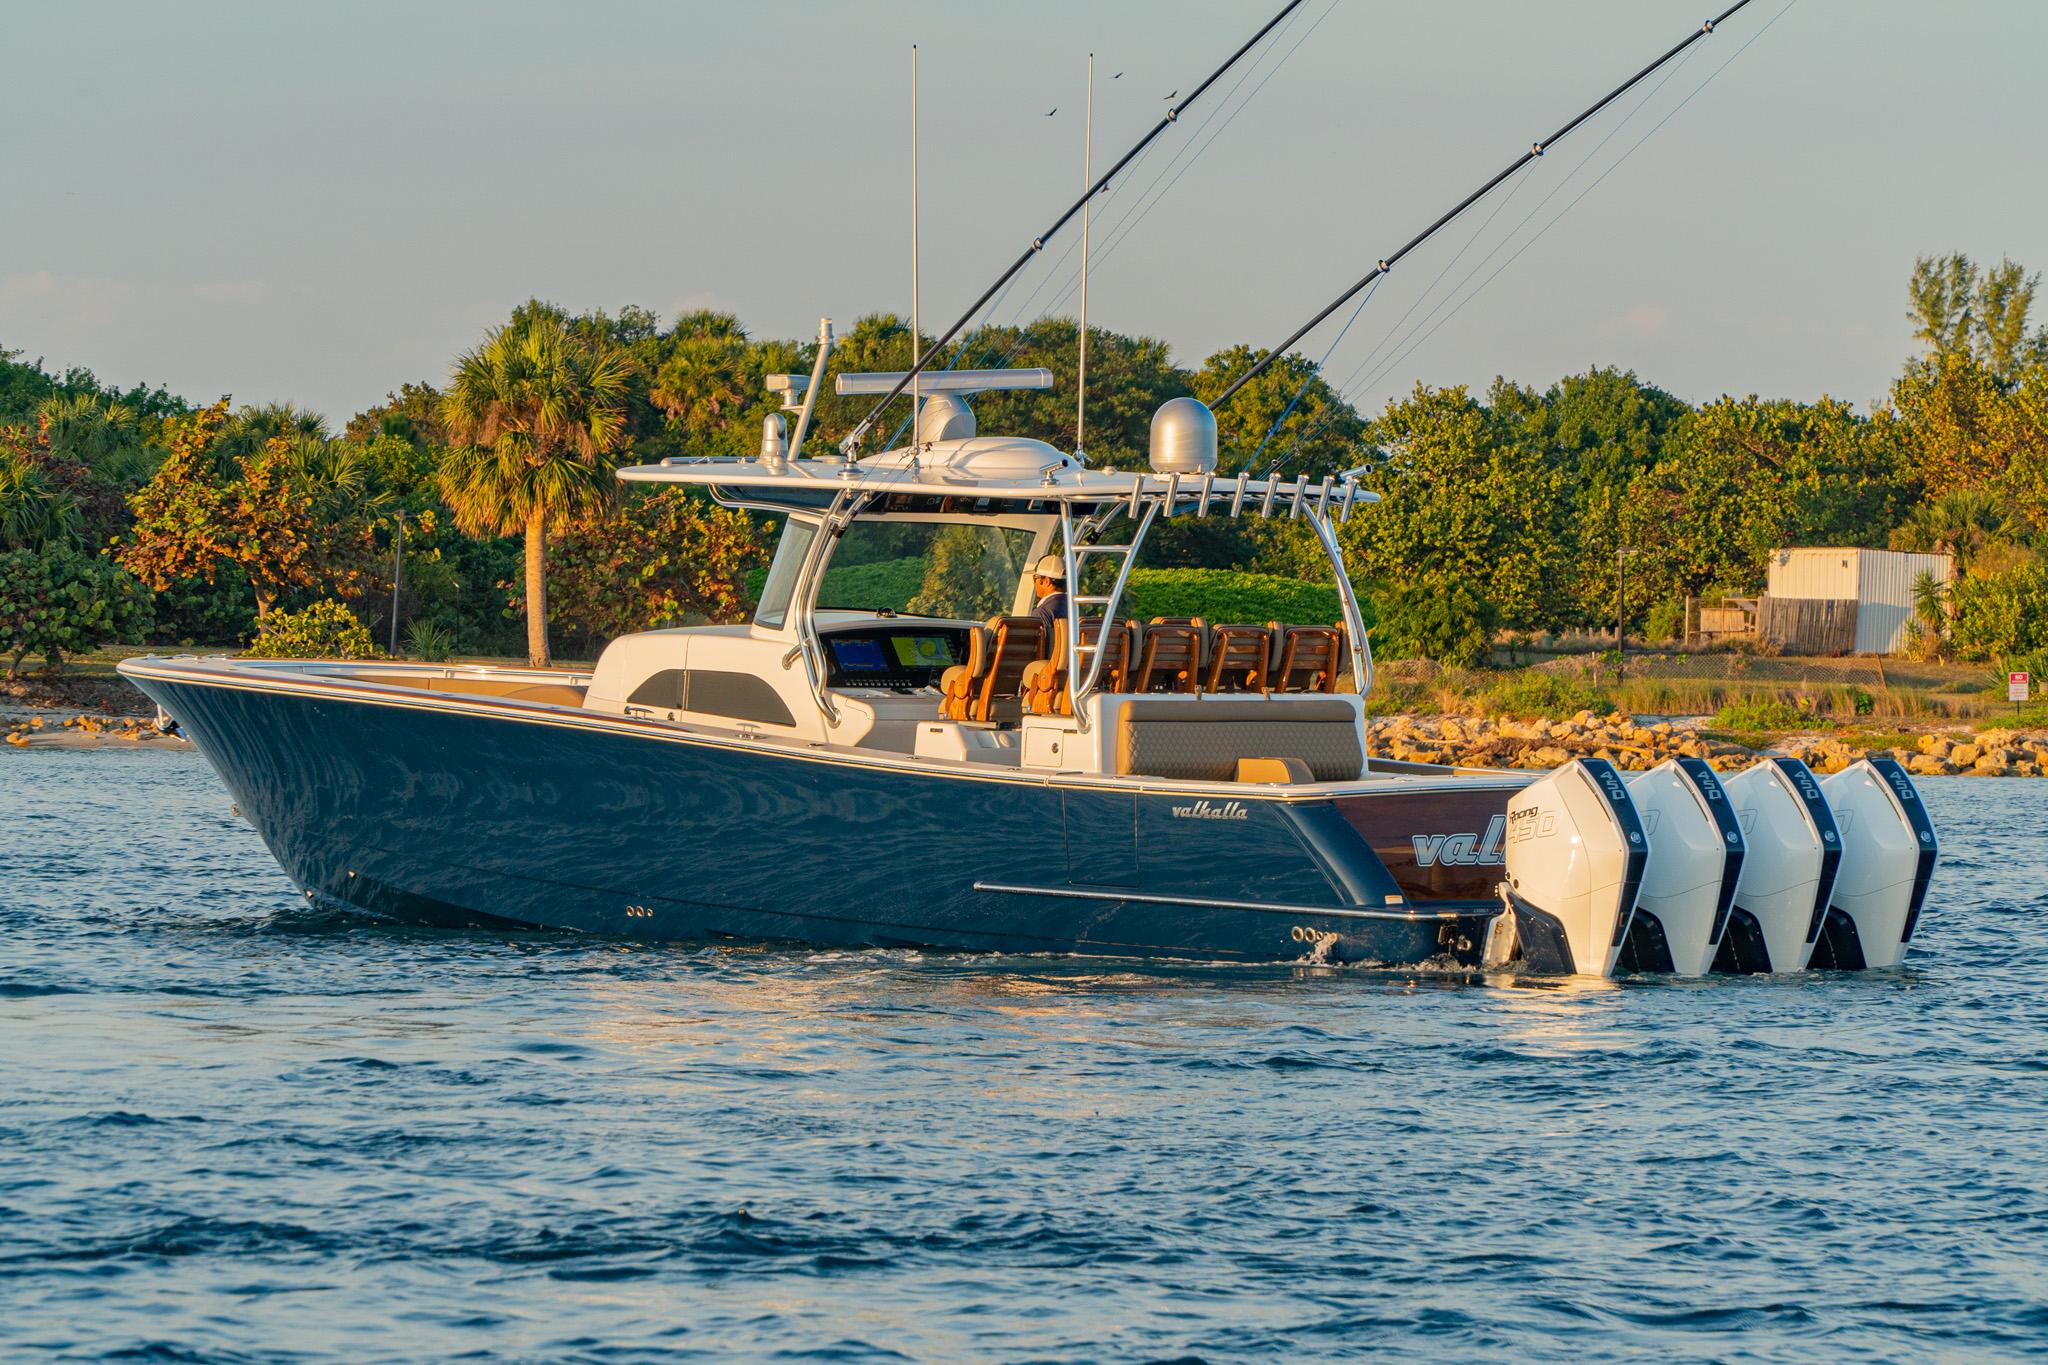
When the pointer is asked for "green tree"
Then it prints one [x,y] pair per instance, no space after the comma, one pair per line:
[285,520]
[1741,477]
[55,601]
[662,557]
[1997,616]
[2005,297]
[1960,523]
[1467,508]
[536,409]
[412,414]
[325,630]
[1322,434]
[705,380]
[1942,291]
[1605,430]
[101,433]
[36,510]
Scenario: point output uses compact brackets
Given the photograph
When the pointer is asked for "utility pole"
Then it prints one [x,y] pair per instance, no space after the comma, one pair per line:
[397,577]
[1621,611]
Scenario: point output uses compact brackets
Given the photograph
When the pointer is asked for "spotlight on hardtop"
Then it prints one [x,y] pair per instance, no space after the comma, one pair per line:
[1183,437]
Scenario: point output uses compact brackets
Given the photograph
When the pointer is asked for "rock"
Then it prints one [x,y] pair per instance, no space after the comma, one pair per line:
[1937,745]
[1548,756]
[1927,765]
[1964,755]
[1562,729]
[2026,767]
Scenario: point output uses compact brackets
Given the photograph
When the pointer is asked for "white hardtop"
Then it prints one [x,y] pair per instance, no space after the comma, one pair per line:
[1006,467]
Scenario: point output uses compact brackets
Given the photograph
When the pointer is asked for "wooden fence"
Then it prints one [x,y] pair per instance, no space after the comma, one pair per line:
[1808,625]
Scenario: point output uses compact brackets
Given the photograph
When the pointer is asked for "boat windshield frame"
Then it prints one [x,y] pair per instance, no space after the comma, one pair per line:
[825,497]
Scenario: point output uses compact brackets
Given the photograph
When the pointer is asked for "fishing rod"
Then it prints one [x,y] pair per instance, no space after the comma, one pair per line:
[1535,151]
[852,442]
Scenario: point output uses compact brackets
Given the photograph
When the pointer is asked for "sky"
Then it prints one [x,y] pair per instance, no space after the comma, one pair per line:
[315,204]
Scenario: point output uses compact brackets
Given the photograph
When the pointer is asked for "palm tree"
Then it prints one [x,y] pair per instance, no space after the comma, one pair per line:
[34,514]
[703,382]
[534,410]
[1930,613]
[104,434]
[1959,524]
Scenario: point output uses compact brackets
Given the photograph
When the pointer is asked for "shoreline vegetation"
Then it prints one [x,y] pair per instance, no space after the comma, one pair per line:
[1522,532]
[1935,722]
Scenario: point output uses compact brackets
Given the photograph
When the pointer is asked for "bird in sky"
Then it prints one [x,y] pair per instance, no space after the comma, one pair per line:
[1118,76]
[1174,95]
[1054,110]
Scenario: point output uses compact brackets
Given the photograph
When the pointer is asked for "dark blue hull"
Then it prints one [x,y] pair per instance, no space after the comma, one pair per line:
[458,815]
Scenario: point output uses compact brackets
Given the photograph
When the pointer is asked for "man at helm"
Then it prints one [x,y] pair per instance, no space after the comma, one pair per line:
[1049,581]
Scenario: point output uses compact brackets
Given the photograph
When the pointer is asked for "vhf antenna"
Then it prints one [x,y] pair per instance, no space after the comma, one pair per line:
[1087,170]
[852,441]
[916,314]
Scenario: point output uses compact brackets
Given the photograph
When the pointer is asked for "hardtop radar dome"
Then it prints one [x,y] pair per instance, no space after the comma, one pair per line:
[1183,437]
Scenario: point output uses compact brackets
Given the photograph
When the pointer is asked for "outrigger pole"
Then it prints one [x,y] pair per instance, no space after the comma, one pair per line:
[852,442]
[1535,150]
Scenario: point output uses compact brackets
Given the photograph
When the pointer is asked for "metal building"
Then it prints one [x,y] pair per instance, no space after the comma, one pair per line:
[1824,600]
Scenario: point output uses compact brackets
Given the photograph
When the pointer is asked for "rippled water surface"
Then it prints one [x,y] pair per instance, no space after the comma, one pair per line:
[231,1128]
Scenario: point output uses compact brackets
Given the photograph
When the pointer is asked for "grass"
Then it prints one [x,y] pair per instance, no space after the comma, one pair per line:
[1748,739]
[1883,739]
[1760,714]
[1220,597]
[1530,695]
[2029,716]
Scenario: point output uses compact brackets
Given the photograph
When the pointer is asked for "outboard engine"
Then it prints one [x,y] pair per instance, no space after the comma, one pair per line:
[1575,858]
[1888,853]
[1791,853]
[1696,855]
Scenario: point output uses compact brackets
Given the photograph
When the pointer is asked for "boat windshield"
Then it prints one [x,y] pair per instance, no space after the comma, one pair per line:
[956,570]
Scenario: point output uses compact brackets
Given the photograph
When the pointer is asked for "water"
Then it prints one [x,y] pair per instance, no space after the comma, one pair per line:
[232,1128]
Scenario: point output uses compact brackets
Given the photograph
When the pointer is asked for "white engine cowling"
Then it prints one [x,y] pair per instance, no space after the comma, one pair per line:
[1576,853]
[1888,854]
[1696,853]
[1792,852]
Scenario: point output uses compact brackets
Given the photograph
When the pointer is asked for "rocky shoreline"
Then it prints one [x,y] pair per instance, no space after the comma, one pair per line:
[1467,741]
[1503,742]
[33,731]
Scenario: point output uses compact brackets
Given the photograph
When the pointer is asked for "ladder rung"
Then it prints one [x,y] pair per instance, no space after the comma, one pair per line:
[1080,550]
[1093,601]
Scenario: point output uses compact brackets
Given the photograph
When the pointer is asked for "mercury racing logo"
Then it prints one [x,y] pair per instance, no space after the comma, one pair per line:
[1462,850]
[1202,810]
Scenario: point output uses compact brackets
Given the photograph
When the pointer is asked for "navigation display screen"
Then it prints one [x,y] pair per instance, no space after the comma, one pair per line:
[896,658]
[923,651]
[858,655]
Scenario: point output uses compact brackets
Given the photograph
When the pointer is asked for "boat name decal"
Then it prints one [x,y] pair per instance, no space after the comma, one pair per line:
[1462,850]
[1203,810]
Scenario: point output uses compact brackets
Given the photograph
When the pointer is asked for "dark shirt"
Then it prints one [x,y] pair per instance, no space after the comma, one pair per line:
[1050,609]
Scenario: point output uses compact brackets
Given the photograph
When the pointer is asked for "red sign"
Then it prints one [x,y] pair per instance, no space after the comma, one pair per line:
[2015,687]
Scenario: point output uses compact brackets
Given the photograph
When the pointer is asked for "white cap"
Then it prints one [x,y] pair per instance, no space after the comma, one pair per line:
[1053,567]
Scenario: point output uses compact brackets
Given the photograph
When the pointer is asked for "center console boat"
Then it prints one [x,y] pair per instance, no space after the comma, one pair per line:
[896,750]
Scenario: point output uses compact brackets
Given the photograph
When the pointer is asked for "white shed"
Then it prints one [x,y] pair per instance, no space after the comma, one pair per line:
[1879,582]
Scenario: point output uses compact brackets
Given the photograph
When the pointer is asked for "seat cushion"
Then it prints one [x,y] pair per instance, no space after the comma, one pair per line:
[1203,740]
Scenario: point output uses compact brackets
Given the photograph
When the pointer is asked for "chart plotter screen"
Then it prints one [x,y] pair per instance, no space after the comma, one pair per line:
[906,659]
